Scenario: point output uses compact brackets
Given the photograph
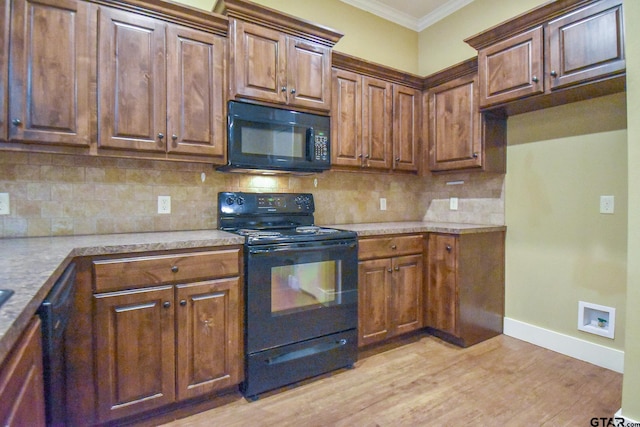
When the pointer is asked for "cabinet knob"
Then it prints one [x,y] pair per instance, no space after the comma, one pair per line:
[174,137]
[293,91]
[366,157]
[554,73]
[389,270]
[448,248]
[535,79]
[397,159]
[160,135]
[175,269]
[166,304]
[359,156]
[475,155]
[183,302]
[283,89]
[394,247]
[16,122]
[397,268]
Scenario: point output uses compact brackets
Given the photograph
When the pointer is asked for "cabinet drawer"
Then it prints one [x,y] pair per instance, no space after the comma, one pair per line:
[124,273]
[381,247]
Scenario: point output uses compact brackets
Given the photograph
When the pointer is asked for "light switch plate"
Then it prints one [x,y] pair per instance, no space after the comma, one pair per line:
[453,203]
[383,204]
[5,209]
[606,204]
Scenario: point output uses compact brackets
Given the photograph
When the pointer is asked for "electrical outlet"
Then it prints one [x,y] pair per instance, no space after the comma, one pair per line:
[453,203]
[164,204]
[606,204]
[5,209]
[383,204]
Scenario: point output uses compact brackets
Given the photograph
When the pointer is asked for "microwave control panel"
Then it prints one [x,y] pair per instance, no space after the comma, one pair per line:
[321,147]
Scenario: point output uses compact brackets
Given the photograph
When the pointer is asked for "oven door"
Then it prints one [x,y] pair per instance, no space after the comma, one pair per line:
[300,291]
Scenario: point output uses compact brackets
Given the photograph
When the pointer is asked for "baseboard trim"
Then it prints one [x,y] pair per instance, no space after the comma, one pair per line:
[570,346]
[627,421]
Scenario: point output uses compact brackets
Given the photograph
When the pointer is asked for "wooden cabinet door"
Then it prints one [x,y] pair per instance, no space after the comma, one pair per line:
[376,123]
[406,294]
[135,351]
[259,62]
[455,137]
[442,305]
[209,336]
[586,44]
[195,93]
[406,127]
[346,120]
[21,381]
[4,65]
[373,306]
[309,74]
[131,81]
[49,74]
[512,68]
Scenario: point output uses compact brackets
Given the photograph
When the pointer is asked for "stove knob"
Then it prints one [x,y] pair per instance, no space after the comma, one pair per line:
[230,200]
[240,200]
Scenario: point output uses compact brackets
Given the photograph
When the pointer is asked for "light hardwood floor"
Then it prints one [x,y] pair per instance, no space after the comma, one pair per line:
[500,382]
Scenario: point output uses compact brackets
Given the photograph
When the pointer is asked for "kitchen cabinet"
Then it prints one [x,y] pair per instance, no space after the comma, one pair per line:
[376,117]
[160,88]
[167,328]
[276,58]
[389,287]
[553,48]
[459,135]
[4,65]
[49,72]
[465,286]
[21,381]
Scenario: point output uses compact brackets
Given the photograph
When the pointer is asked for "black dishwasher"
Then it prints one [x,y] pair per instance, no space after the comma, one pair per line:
[54,313]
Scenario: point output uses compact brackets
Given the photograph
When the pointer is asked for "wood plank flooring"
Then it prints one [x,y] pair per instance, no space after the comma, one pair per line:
[501,382]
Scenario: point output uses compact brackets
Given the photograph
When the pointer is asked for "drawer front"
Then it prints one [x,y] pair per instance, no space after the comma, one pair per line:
[129,272]
[382,247]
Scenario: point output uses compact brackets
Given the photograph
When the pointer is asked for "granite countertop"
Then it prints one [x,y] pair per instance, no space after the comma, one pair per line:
[30,266]
[381,228]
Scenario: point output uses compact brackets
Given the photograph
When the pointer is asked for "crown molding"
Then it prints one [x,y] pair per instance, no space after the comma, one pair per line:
[401,18]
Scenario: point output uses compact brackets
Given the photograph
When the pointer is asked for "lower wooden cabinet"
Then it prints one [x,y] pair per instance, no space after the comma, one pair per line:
[168,342]
[21,381]
[465,286]
[389,287]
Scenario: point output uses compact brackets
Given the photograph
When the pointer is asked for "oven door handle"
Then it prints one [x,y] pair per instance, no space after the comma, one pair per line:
[292,248]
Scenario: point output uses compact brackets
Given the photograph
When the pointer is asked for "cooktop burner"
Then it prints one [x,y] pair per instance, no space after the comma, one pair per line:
[273,218]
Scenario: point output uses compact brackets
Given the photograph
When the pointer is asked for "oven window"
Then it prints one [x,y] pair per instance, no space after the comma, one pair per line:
[304,286]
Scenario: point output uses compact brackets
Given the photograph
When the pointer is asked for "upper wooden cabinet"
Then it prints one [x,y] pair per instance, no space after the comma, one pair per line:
[554,51]
[4,65]
[459,135]
[376,116]
[277,58]
[49,72]
[160,88]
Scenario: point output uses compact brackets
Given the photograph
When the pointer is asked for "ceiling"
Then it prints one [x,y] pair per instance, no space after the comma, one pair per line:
[413,14]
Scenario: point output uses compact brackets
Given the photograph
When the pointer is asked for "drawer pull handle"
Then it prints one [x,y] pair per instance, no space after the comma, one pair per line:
[166,304]
[175,269]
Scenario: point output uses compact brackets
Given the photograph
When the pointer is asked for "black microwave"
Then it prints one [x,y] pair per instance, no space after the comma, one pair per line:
[272,139]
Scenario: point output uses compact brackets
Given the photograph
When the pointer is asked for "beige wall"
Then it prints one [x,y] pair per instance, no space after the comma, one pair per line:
[631,382]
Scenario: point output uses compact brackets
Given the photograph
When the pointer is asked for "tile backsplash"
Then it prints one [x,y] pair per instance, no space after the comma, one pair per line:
[53,195]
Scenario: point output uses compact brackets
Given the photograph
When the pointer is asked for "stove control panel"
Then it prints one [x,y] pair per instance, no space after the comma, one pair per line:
[240,203]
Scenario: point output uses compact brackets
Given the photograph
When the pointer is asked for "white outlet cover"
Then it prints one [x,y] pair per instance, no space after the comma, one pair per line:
[164,204]
[5,209]
[383,204]
[607,204]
